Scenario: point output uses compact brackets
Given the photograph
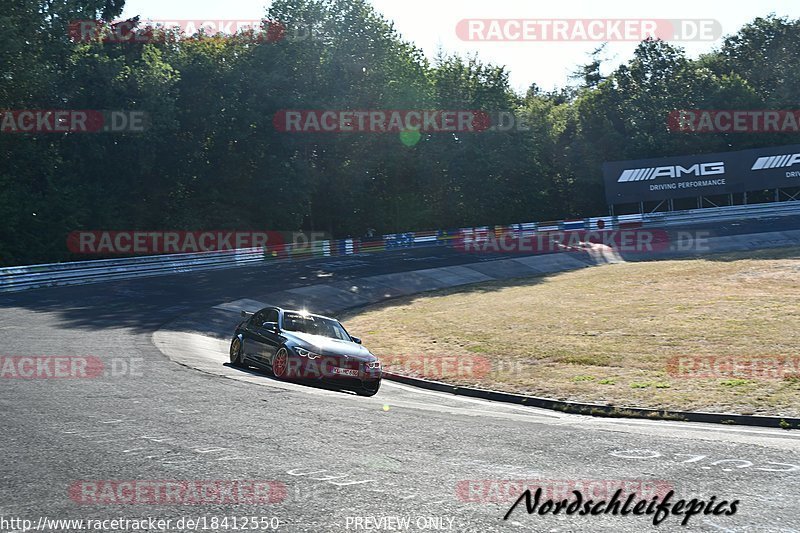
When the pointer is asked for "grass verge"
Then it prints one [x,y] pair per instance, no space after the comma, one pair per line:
[664,334]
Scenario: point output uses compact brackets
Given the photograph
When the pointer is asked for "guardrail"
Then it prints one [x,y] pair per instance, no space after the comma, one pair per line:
[72,273]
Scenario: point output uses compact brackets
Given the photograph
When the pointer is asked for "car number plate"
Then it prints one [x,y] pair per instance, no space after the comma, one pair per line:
[345,371]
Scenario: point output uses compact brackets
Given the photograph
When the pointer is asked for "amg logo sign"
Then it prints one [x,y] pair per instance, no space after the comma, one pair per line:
[776,161]
[672,171]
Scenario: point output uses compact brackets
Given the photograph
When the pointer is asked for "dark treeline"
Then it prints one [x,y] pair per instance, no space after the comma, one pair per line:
[212,159]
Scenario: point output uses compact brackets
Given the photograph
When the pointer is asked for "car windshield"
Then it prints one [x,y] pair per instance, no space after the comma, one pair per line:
[314,325]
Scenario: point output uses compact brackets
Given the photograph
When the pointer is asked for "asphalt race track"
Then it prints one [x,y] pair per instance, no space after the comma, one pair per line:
[405,453]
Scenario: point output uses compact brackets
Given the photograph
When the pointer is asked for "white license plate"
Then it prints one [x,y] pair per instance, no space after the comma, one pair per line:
[345,371]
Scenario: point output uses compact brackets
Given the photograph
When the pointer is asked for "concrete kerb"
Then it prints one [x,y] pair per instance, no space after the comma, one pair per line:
[598,409]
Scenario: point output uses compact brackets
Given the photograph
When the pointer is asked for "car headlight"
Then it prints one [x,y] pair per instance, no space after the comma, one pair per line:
[305,353]
[374,365]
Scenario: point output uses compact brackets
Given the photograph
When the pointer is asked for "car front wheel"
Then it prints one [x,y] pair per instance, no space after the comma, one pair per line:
[370,391]
[280,364]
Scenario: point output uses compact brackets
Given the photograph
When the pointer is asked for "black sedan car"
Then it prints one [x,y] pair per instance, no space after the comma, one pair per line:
[303,346]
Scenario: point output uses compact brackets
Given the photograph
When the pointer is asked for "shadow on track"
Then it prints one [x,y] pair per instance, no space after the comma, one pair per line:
[306,383]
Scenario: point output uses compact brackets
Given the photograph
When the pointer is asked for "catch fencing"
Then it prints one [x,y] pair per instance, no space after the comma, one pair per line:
[73,273]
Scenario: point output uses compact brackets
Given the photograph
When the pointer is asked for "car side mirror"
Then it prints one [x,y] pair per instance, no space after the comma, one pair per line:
[270,326]
[356,339]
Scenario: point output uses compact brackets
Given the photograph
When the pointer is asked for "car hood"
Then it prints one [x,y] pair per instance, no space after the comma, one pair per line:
[328,346]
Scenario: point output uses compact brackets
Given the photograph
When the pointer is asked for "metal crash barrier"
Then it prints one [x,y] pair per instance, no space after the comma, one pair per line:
[79,272]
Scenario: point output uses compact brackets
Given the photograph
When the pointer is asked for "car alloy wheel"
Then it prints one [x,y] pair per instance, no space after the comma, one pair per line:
[280,364]
[237,359]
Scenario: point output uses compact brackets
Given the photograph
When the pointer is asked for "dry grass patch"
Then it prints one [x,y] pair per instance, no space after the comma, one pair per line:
[606,334]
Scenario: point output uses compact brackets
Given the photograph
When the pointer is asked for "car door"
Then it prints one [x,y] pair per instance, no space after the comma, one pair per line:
[268,339]
[250,335]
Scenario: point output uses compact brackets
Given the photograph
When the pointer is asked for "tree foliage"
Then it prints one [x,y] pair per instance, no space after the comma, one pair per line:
[211,157]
